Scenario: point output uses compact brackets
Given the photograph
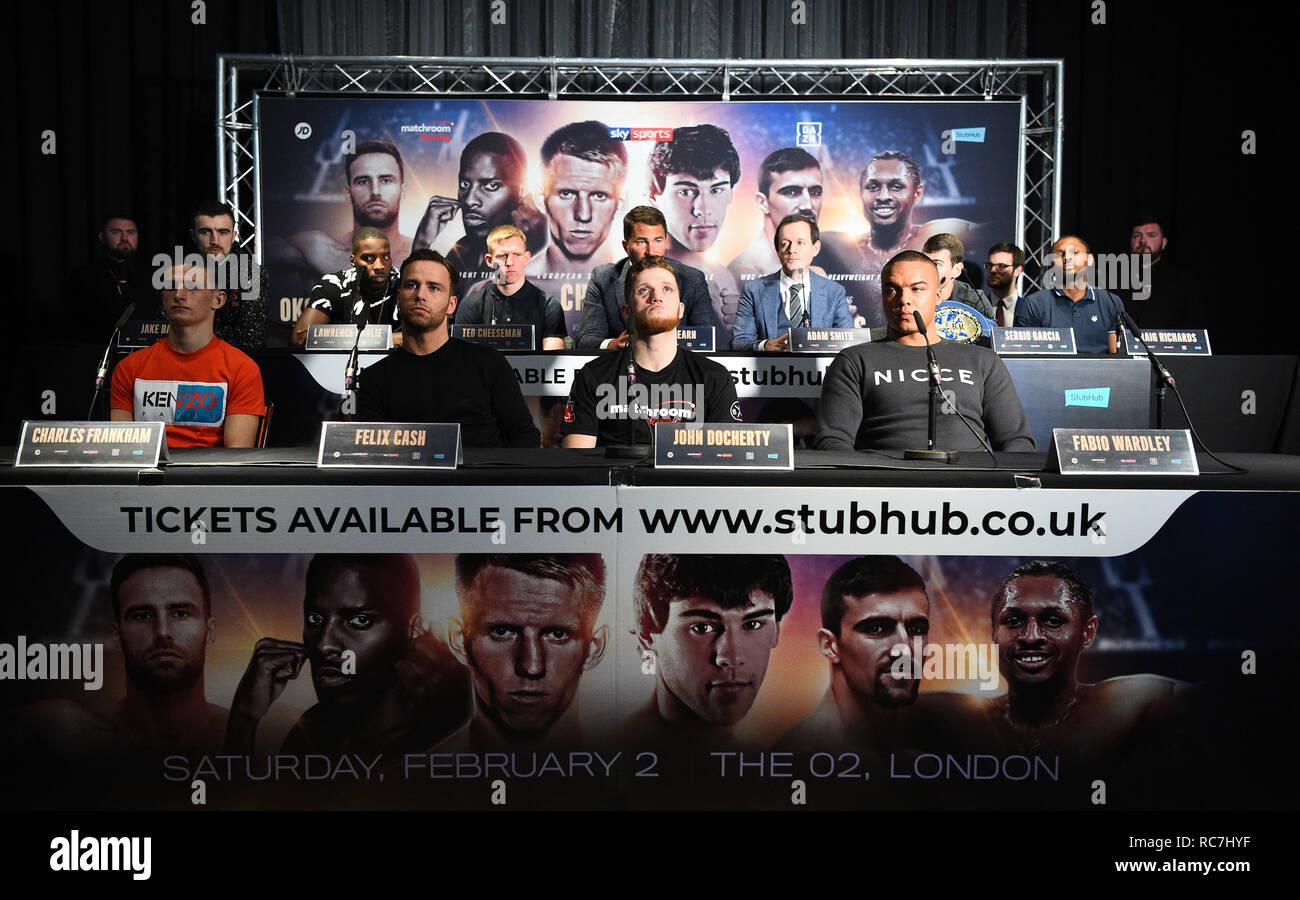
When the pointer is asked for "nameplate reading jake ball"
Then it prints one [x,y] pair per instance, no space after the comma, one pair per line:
[134,445]
[1170,342]
[722,446]
[697,337]
[340,337]
[1033,341]
[503,337]
[389,445]
[826,340]
[1122,451]
[139,333]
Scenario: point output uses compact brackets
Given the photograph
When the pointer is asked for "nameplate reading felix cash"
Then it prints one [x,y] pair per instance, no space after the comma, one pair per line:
[135,445]
[139,333]
[340,337]
[824,340]
[389,445]
[723,446]
[503,337]
[1122,451]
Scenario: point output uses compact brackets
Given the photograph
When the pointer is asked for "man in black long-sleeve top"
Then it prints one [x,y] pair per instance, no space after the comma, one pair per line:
[434,377]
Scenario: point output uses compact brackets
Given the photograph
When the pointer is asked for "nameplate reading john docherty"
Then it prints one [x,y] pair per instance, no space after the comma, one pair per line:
[723,446]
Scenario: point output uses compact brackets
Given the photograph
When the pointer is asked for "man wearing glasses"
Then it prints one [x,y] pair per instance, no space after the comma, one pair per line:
[1005,264]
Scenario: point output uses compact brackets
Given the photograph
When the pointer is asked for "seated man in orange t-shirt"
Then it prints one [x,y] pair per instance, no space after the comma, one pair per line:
[208,392]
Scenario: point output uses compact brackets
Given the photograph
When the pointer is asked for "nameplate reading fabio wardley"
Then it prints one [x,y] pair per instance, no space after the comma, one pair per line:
[1123,451]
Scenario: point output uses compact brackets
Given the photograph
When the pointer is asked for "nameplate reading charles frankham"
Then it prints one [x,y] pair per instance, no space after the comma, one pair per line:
[140,333]
[697,337]
[329,336]
[389,445]
[1033,341]
[1122,451]
[128,445]
[723,446]
[1169,342]
[827,340]
[503,337]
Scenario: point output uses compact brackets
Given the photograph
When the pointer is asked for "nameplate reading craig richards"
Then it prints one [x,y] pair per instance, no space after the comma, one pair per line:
[389,445]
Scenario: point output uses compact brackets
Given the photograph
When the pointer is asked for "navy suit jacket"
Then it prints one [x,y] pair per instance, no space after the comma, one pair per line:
[602,305]
[762,316]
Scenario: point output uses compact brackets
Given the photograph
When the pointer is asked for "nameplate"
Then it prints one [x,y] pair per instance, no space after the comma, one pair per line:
[340,337]
[133,445]
[1170,342]
[389,445]
[139,333]
[1122,451]
[697,337]
[723,446]
[827,340]
[1033,341]
[503,337]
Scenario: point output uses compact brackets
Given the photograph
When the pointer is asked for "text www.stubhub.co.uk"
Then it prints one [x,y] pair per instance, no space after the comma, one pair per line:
[871,519]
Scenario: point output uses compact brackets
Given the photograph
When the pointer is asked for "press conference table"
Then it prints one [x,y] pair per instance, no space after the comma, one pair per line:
[296,466]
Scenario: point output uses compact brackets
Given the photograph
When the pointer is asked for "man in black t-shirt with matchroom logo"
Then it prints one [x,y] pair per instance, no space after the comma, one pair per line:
[617,397]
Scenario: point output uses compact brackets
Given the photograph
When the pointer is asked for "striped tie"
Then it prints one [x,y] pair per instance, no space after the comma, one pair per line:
[796,305]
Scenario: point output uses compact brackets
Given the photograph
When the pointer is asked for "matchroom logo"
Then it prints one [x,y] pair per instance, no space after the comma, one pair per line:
[431,131]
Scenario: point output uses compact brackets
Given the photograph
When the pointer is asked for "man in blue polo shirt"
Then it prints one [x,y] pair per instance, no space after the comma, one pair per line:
[1072,302]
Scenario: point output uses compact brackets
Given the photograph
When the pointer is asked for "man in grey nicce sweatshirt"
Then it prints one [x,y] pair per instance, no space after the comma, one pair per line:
[875,396]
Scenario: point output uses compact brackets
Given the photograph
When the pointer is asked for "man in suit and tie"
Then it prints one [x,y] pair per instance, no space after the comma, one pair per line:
[791,298]
[645,233]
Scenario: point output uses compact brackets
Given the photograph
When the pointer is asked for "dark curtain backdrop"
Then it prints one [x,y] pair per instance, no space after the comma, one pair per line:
[660,29]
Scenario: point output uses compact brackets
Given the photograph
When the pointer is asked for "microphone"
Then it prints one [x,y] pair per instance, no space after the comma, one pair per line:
[929,352]
[498,272]
[101,374]
[350,371]
[936,389]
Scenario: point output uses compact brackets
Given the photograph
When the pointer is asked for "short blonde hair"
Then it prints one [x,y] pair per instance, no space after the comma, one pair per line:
[504,233]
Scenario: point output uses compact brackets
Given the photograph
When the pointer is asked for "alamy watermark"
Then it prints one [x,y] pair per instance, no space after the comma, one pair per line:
[199,271]
[1106,271]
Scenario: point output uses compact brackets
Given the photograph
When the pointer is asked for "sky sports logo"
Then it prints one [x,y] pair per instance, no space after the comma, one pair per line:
[181,403]
[622,133]
[431,131]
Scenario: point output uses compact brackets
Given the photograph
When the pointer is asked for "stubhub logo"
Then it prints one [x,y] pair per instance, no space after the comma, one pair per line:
[625,133]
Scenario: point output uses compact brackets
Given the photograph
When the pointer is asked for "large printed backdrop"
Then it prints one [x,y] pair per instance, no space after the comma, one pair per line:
[967,153]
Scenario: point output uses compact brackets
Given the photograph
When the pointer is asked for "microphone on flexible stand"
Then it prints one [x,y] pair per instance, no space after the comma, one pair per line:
[936,391]
[101,375]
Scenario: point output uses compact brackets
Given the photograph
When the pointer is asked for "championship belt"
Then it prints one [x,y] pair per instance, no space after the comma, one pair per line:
[962,324]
